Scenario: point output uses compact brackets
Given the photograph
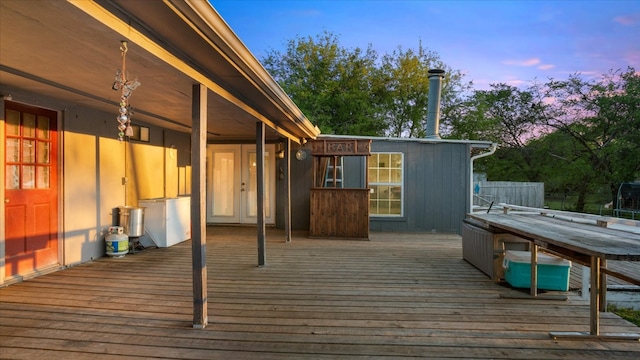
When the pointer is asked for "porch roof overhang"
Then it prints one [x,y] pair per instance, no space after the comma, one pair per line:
[70,50]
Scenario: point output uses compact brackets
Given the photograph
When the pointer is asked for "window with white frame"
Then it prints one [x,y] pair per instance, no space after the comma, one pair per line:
[385,180]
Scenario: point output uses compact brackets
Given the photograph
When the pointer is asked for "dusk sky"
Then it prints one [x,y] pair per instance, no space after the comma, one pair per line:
[513,42]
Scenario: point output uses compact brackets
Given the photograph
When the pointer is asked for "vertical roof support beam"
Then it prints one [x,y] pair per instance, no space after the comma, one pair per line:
[198,204]
[261,228]
[287,188]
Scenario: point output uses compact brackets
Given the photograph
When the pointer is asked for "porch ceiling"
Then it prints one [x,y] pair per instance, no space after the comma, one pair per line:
[57,49]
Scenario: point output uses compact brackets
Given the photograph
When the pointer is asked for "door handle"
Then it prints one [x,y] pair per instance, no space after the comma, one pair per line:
[6,201]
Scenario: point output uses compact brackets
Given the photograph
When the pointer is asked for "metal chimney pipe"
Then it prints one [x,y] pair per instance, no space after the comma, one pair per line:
[433,106]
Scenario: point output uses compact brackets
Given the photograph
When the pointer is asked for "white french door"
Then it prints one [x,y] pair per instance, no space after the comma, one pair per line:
[232,184]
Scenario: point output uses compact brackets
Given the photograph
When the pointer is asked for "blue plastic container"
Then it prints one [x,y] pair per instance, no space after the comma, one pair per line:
[553,271]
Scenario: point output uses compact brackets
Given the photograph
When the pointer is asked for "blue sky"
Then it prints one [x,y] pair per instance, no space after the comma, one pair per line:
[513,42]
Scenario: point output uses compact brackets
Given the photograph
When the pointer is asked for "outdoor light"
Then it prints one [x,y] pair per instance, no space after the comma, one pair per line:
[301,155]
[126,85]
[280,151]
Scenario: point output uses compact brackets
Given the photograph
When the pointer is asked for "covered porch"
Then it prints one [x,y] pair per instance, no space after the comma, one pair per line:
[396,296]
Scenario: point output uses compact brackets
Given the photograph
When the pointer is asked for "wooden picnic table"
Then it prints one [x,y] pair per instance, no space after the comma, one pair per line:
[584,243]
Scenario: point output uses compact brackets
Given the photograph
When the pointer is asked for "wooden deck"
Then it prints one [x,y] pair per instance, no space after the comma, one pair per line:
[397,296]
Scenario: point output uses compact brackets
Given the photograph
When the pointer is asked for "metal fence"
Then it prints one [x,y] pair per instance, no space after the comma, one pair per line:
[529,194]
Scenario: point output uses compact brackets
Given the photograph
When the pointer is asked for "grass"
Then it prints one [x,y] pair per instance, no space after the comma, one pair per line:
[569,204]
[633,316]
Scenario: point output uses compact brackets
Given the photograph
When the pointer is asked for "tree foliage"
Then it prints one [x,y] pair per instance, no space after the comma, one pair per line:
[602,118]
[354,92]
[573,134]
[504,114]
[403,85]
[332,85]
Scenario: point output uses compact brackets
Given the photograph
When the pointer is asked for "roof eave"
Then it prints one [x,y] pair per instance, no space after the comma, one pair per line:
[254,69]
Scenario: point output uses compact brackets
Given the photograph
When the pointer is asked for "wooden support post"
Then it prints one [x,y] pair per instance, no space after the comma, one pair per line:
[595,296]
[287,189]
[198,204]
[603,286]
[260,147]
[586,280]
[534,269]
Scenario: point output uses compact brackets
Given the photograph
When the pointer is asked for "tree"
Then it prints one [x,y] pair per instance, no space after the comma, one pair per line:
[574,135]
[330,84]
[603,119]
[348,91]
[563,167]
[507,116]
[403,88]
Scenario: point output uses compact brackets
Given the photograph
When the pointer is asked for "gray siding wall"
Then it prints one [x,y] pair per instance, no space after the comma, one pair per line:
[301,181]
[436,187]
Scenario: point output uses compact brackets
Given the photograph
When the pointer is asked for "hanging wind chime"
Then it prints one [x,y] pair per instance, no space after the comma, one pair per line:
[127,86]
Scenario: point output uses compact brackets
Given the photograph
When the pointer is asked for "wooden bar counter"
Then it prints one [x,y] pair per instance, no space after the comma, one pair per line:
[339,213]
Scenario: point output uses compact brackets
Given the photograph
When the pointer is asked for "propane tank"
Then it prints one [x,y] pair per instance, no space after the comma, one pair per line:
[117,242]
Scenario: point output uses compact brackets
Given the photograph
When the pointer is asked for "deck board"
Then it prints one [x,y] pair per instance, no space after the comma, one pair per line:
[397,296]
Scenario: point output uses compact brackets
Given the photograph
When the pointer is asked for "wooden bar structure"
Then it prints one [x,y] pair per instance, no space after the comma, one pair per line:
[338,212]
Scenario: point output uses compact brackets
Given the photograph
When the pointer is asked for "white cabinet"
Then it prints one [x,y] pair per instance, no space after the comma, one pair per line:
[167,221]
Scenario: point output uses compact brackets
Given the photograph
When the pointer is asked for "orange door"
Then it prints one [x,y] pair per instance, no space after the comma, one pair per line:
[30,197]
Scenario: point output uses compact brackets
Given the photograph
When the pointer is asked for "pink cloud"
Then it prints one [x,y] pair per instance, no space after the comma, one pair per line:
[516,83]
[627,20]
[514,80]
[527,62]
[546,67]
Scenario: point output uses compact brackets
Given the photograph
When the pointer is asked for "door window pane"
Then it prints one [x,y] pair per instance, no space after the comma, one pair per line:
[223,183]
[43,152]
[43,127]
[252,196]
[28,177]
[13,123]
[29,125]
[28,151]
[267,185]
[13,154]
[43,177]
[12,180]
